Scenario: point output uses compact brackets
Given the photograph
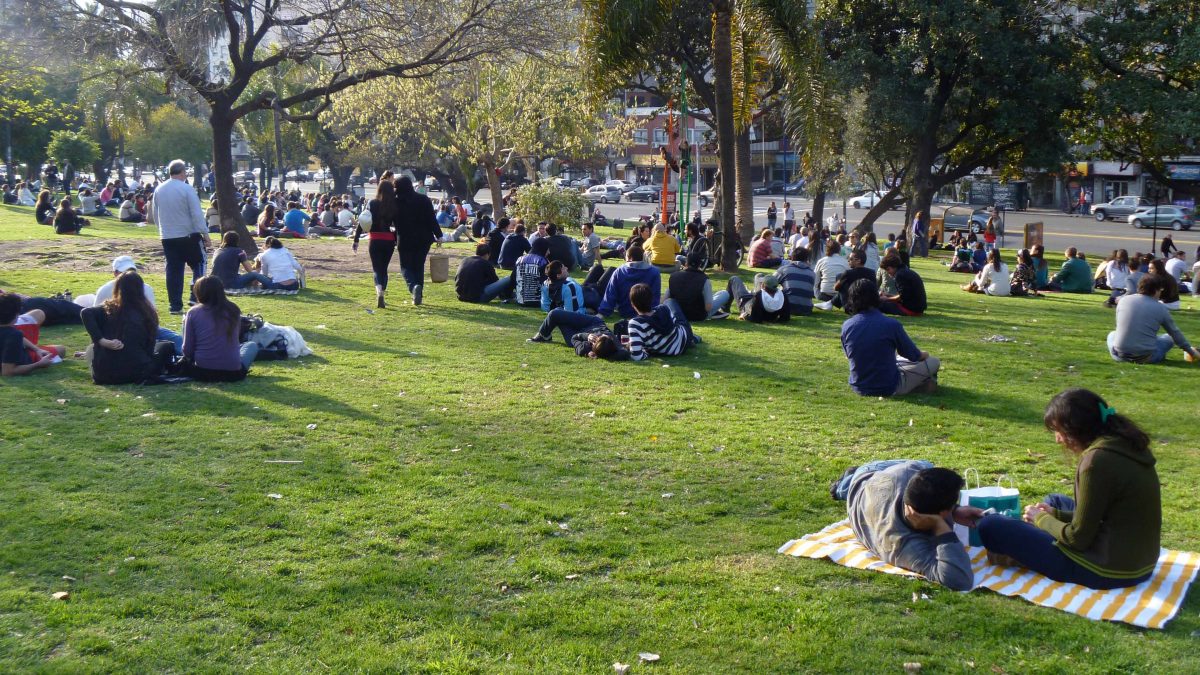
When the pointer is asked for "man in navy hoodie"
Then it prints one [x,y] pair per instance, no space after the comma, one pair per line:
[635,271]
[529,273]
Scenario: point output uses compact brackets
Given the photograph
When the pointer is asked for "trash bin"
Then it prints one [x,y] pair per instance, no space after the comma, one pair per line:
[439,268]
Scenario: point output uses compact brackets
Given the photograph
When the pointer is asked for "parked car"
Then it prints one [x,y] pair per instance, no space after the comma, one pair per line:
[964,218]
[622,185]
[794,187]
[1165,215]
[605,194]
[240,177]
[775,187]
[1121,207]
[583,183]
[644,193]
[707,197]
[867,199]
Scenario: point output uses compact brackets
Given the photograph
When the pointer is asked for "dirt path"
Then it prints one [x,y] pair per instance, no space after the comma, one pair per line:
[322,258]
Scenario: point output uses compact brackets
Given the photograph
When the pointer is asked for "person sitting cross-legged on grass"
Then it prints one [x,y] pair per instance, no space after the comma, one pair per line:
[277,264]
[797,280]
[476,280]
[67,220]
[828,269]
[858,270]
[211,349]
[692,290]
[229,258]
[1169,296]
[904,512]
[124,330]
[1139,316]
[559,290]
[762,253]
[18,354]
[617,287]
[1108,536]
[909,298]
[657,331]
[993,279]
[883,359]
[529,273]
[1075,275]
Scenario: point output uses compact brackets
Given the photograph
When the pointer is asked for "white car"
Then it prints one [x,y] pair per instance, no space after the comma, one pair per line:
[866,200]
[707,197]
[605,194]
[622,185]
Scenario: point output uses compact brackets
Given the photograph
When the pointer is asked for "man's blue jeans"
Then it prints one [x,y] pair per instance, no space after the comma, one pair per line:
[171,336]
[569,323]
[843,488]
[495,289]
[1161,347]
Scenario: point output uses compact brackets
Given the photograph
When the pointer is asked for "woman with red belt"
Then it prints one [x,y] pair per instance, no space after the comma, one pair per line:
[383,212]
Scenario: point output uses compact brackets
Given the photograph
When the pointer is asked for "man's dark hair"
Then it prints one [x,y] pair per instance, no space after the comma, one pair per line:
[520,229]
[293,205]
[640,297]
[635,254]
[833,247]
[554,268]
[1149,284]
[483,250]
[551,229]
[934,490]
[800,254]
[859,256]
[503,224]
[540,247]
[862,296]
[10,307]
[604,347]
[696,259]
[891,261]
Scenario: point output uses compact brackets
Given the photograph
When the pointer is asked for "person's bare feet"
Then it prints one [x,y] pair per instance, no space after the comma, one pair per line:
[1001,560]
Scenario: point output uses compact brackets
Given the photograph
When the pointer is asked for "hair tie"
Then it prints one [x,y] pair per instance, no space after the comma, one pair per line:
[1106,412]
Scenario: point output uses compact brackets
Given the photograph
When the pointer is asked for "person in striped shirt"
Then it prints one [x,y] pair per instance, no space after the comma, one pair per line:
[657,331]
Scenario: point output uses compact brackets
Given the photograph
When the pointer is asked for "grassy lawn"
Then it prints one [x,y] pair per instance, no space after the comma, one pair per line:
[468,502]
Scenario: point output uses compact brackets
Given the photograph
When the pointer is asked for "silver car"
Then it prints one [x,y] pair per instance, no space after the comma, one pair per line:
[1120,207]
[1163,216]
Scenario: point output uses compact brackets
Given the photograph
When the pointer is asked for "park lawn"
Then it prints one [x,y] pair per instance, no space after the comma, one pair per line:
[17,224]
[457,476]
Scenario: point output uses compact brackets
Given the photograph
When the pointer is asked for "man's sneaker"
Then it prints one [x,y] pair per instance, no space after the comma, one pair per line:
[538,337]
[1187,356]
[176,312]
[418,291]
[827,305]
[719,314]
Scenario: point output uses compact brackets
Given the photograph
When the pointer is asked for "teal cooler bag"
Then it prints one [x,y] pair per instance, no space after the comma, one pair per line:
[1005,501]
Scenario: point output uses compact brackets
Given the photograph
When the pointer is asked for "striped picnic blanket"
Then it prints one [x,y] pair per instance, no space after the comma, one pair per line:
[1150,604]
[260,291]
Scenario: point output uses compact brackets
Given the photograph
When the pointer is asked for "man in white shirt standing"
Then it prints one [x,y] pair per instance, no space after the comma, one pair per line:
[184,232]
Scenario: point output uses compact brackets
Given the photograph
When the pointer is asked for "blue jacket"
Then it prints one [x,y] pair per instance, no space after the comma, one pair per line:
[616,296]
[568,295]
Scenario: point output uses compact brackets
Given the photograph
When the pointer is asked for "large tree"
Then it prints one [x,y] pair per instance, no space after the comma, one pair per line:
[485,118]
[958,84]
[33,104]
[170,133]
[218,48]
[1142,64]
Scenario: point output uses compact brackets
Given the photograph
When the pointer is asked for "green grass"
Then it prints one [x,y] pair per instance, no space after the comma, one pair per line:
[457,475]
[17,224]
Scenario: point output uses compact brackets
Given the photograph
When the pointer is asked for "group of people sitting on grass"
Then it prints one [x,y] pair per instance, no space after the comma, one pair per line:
[128,344]
[1106,536]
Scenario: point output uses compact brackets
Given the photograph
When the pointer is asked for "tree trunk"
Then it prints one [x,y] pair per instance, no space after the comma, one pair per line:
[881,207]
[722,56]
[818,212]
[226,192]
[341,178]
[745,190]
[494,188]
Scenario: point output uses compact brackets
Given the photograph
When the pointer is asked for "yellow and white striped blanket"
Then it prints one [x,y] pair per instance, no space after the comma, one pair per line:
[1150,604]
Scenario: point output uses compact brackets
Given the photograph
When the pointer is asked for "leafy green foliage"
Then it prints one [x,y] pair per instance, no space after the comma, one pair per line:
[1142,63]
[546,201]
[75,147]
[170,133]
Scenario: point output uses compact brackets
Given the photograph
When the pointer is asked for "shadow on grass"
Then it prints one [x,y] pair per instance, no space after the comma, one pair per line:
[980,403]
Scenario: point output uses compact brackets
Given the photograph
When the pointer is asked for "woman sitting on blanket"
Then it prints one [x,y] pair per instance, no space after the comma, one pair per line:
[1108,535]
[279,264]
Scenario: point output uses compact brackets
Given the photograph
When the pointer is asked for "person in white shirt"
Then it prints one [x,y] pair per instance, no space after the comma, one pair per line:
[993,279]
[798,240]
[1177,265]
[24,196]
[129,212]
[345,217]
[277,262]
[828,269]
[183,230]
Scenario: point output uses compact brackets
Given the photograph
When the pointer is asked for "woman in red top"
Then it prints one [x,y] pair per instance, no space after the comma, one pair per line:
[382,236]
[989,234]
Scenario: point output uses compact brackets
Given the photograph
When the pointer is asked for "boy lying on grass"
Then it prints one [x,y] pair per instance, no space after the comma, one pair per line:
[904,511]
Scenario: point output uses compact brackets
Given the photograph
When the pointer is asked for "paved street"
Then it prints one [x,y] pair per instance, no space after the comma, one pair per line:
[1061,230]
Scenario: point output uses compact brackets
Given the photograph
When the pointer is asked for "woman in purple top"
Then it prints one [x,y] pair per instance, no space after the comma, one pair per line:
[210,336]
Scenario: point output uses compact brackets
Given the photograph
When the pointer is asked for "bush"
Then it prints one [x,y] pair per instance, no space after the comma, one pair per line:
[72,146]
[546,201]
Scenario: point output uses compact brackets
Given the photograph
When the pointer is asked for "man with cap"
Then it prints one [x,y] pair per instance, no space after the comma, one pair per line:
[184,232]
[120,265]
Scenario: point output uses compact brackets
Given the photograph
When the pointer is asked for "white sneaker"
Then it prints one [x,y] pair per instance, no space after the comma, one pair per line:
[827,305]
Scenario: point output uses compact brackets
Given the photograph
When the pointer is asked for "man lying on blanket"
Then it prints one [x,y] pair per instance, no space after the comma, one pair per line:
[903,511]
